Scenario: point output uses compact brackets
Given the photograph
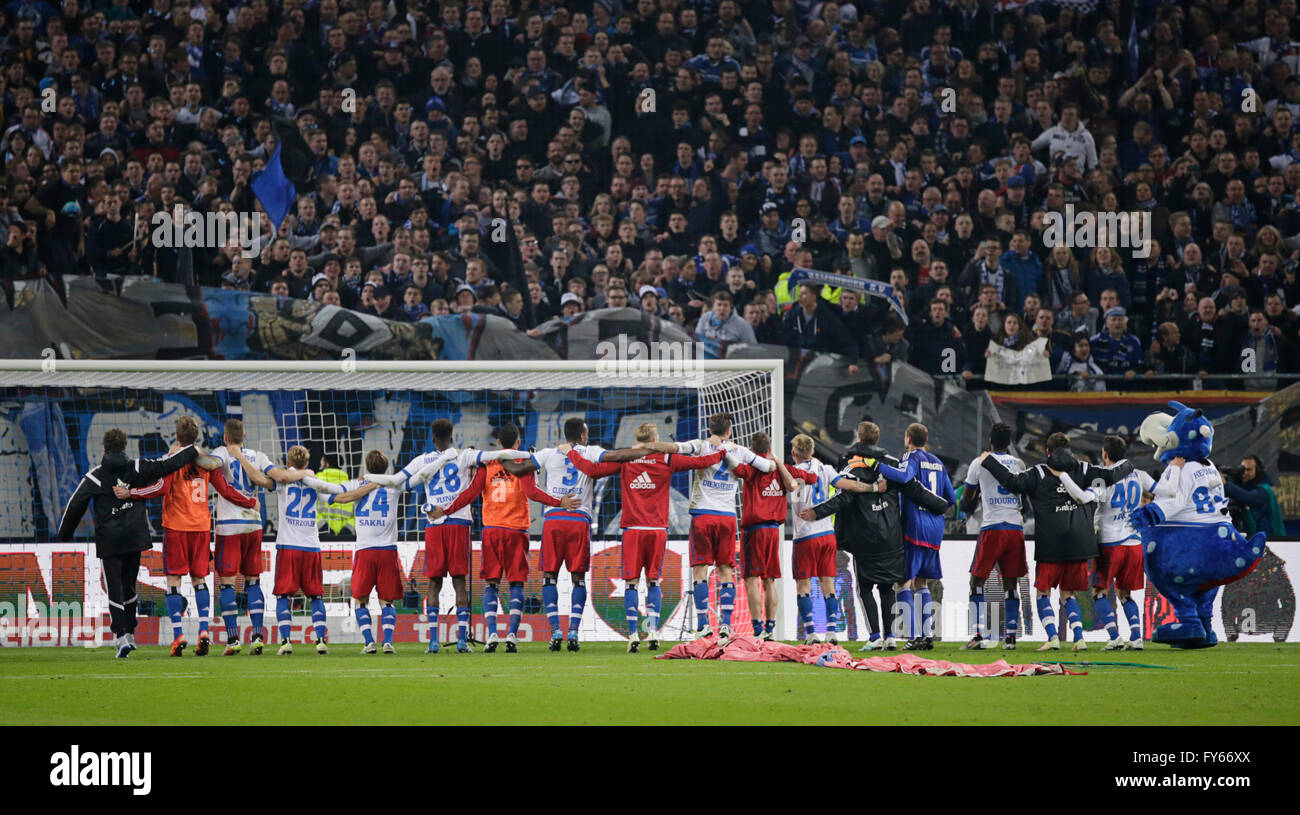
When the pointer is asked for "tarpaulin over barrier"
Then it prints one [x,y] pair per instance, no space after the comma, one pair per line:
[825,655]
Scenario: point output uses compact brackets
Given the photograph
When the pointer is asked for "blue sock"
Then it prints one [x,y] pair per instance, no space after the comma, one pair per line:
[1107,614]
[726,602]
[516,607]
[978,611]
[1074,615]
[806,614]
[462,623]
[904,599]
[832,613]
[318,617]
[431,616]
[757,625]
[490,595]
[363,622]
[551,600]
[175,604]
[1012,608]
[630,602]
[283,616]
[1047,617]
[654,599]
[1134,616]
[575,613]
[230,613]
[925,608]
[388,620]
[701,592]
[256,606]
[769,626]
[203,604]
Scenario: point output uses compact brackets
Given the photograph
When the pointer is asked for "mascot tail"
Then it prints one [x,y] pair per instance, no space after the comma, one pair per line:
[1241,556]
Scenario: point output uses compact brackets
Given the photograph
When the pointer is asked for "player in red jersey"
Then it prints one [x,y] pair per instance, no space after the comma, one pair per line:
[763,510]
[645,491]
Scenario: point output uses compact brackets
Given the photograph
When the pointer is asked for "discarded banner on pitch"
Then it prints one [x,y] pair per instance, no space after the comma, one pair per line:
[825,655]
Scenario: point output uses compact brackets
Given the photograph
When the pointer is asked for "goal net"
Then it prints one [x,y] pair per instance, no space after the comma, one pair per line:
[53,418]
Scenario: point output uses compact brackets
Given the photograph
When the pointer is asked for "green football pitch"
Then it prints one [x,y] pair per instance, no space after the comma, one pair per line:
[1231,684]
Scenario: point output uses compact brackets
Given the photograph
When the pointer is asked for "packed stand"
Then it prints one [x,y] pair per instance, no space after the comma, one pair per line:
[915,143]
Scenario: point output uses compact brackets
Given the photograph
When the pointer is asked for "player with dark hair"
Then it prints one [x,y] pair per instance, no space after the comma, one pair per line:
[445,472]
[1120,562]
[713,521]
[1001,539]
[566,533]
[922,536]
[121,526]
[763,512]
[1065,542]
[505,534]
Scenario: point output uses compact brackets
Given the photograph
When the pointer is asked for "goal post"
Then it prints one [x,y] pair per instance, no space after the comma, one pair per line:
[53,414]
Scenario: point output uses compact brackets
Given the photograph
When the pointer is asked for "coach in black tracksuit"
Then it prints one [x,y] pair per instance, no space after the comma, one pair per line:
[121,526]
[869,526]
[1064,540]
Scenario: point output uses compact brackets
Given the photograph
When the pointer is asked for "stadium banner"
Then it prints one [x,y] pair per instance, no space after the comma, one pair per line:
[54,595]
[1121,413]
[140,316]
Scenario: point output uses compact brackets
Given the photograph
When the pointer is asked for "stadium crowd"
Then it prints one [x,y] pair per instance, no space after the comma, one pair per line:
[920,142]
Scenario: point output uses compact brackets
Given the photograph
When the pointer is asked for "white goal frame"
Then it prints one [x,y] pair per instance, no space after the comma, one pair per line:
[352,374]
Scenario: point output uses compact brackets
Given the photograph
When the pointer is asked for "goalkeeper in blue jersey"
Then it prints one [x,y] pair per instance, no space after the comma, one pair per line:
[925,496]
[922,535]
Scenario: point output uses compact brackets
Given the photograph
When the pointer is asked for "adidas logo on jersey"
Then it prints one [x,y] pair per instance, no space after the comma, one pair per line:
[643,482]
[773,490]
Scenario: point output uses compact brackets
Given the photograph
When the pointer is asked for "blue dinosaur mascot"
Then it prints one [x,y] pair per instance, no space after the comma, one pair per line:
[1191,546]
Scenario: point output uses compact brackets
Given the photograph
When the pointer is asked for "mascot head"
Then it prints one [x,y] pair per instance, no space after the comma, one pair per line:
[1186,434]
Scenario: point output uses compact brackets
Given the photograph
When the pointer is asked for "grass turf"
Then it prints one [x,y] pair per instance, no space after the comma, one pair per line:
[604,685]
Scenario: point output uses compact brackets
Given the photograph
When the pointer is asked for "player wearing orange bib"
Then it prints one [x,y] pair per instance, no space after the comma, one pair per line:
[187,528]
[505,534]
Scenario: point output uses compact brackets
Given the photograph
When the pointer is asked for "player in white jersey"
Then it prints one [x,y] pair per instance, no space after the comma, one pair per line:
[239,541]
[814,538]
[713,522]
[1120,561]
[566,533]
[1001,539]
[375,564]
[297,539]
[445,471]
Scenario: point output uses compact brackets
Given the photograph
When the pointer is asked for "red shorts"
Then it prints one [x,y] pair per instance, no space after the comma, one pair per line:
[567,543]
[376,569]
[186,553]
[815,557]
[239,554]
[1004,548]
[1068,575]
[643,551]
[762,551]
[297,570]
[446,550]
[1123,564]
[504,550]
[713,540]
